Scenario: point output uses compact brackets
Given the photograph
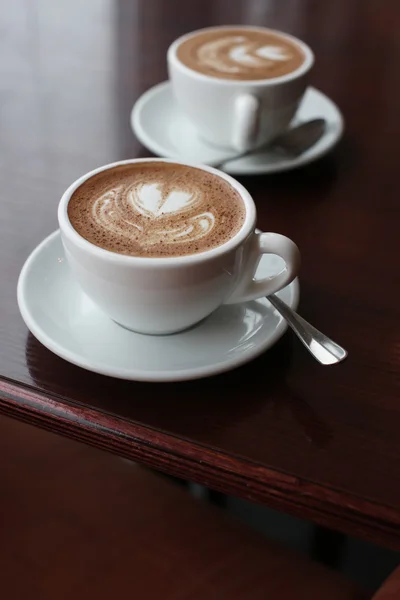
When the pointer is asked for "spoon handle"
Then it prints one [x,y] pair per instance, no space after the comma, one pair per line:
[325,350]
[275,148]
[288,145]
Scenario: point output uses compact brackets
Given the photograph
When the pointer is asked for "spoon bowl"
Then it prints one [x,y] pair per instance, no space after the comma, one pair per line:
[322,348]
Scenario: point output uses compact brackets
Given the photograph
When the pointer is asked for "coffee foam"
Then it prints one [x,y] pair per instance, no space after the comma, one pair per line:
[156,209]
[240,54]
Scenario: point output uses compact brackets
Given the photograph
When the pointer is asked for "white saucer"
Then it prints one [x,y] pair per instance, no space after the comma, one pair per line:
[163,129]
[64,320]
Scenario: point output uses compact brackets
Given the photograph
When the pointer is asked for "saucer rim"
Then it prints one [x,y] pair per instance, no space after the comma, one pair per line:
[152,144]
[132,374]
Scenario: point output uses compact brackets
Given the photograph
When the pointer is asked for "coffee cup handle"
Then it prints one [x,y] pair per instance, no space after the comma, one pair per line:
[248,288]
[246,117]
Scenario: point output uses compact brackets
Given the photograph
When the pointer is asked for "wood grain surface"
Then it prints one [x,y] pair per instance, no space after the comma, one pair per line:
[97,527]
[321,443]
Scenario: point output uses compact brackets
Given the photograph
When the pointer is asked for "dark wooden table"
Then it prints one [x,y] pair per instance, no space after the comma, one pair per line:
[321,443]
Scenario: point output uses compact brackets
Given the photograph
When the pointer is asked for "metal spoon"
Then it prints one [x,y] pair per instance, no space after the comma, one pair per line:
[291,144]
[325,350]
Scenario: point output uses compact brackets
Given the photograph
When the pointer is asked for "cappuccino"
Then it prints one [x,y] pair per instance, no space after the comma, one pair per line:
[241,53]
[156,209]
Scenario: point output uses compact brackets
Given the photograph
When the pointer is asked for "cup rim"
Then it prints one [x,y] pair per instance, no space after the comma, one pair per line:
[301,70]
[73,236]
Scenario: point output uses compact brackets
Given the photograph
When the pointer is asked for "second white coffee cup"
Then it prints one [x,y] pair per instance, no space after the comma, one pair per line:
[238,114]
[169,294]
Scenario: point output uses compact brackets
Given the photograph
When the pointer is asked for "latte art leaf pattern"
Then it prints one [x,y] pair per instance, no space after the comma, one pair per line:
[195,228]
[273,53]
[234,53]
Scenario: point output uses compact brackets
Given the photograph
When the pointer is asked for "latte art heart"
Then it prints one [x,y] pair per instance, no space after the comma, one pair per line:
[120,209]
[156,209]
[149,201]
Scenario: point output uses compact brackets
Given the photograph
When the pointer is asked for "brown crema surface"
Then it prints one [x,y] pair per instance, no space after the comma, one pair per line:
[241,54]
[156,209]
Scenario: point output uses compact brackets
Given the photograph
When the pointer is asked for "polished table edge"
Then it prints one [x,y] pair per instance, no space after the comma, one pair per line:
[225,473]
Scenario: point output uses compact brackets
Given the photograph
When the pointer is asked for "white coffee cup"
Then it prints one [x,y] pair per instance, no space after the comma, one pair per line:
[166,295]
[239,114]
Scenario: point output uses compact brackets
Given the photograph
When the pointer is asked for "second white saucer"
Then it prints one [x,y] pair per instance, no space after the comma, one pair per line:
[162,128]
